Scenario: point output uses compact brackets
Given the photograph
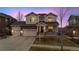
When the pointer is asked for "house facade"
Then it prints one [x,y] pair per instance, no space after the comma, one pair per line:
[73,27]
[5,22]
[36,24]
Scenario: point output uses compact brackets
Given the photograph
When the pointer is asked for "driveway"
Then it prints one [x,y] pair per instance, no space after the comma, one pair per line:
[16,43]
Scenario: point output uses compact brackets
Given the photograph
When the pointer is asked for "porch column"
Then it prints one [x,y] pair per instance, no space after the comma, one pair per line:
[44,28]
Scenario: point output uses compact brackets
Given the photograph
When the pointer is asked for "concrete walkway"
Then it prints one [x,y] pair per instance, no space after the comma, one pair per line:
[57,47]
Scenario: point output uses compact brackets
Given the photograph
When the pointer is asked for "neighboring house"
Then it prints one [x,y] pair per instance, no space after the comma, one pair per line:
[35,24]
[5,22]
[73,28]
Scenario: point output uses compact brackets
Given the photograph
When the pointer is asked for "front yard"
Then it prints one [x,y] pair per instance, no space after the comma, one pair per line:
[52,41]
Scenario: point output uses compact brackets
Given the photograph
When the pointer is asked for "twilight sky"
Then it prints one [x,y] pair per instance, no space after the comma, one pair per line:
[13,11]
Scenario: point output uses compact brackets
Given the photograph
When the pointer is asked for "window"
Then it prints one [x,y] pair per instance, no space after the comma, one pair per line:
[32,19]
[6,20]
[50,27]
[41,18]
[50,19]
[74,21]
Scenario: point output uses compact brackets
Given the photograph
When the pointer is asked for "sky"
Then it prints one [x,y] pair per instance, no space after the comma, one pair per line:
[13,11]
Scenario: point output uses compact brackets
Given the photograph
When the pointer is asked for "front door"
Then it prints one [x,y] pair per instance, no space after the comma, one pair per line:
[41,29]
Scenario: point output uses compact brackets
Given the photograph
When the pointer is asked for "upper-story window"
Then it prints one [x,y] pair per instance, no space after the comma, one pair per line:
[6,20]
[74,21]
[50,19]
[41,18]
[32,19]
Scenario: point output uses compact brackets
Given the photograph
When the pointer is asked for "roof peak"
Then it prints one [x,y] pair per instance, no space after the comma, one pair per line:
[42,13]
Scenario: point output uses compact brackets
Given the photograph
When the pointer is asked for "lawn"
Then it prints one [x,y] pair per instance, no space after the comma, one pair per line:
[55,40]
[52,41]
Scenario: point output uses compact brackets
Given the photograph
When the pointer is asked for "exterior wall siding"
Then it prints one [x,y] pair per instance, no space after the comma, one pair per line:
[29,17]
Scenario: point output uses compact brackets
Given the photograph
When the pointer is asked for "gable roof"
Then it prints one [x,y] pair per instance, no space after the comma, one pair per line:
[74,16]
[41,14]
[52,14]
[5,15]
[30,14]
[19,23]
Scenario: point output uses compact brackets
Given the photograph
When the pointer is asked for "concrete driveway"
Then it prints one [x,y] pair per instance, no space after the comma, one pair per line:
[16,43]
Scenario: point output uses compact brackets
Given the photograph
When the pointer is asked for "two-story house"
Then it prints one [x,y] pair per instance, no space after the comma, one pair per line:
[73,27]
[35,24]
[5,22]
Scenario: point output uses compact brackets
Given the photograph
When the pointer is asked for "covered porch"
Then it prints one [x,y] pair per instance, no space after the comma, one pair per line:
[45,30]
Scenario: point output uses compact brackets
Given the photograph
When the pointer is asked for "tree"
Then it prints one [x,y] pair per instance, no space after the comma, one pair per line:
[20,16]
[62,12]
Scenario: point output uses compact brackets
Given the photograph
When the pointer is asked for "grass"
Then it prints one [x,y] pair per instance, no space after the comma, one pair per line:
[54,41]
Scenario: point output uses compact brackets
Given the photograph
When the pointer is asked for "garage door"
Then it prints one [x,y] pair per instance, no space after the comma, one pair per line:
[29,32]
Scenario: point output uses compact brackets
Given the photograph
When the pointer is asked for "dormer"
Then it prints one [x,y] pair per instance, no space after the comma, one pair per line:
[51,17]
[31,18]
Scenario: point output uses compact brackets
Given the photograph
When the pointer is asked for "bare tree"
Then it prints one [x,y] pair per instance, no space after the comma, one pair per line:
[20,16]
[62,12]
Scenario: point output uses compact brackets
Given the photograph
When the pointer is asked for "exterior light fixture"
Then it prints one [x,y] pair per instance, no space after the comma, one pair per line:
[12,31]
[74,32]
[21,33]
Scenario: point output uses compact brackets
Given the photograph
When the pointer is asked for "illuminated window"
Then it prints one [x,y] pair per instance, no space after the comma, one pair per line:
[50,27]
[50,19]
[32,19]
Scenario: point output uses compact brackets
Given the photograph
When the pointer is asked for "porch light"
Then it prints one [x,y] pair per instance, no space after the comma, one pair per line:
[21,32]
[74,32]
[12,31]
